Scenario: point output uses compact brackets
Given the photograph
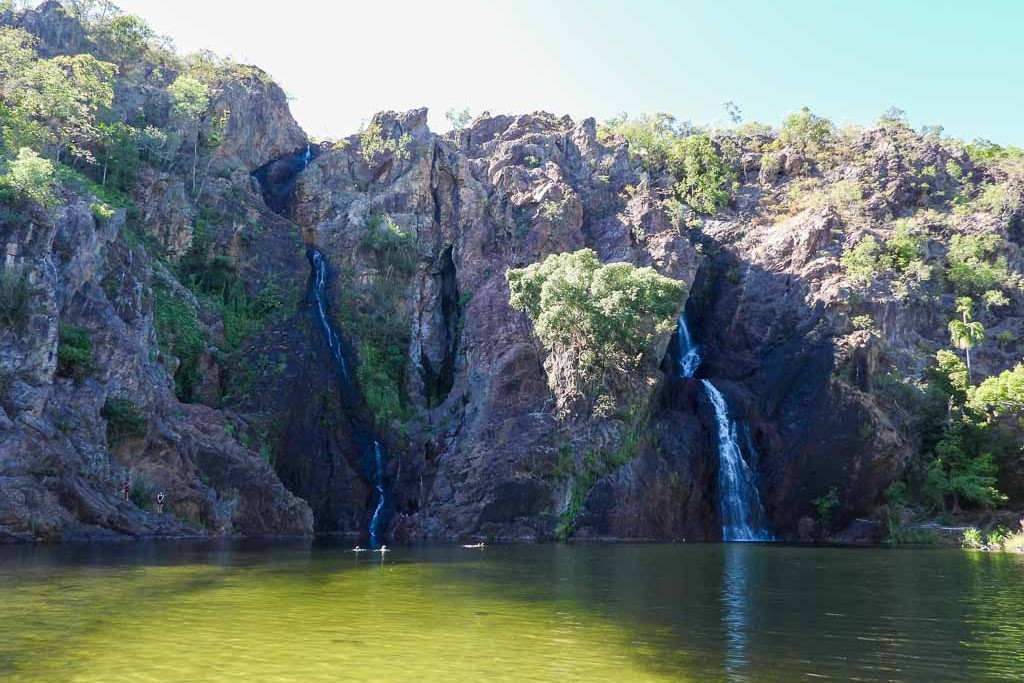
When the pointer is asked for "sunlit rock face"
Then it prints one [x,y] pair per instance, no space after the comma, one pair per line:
[268,436]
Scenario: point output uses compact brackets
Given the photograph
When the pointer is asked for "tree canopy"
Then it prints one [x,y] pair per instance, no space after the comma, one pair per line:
[594,319]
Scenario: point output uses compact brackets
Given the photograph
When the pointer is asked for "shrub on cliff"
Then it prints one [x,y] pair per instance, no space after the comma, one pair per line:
[74,353]
[806,133]
[31,177]
[124,419]
[178,333]
[597,322]
[974,267]
[704,180]
[14,297]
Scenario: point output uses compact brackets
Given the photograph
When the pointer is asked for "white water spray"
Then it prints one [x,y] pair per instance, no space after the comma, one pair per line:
[378,482]
[319,287]
[689,357]
[739,502]
[742,514]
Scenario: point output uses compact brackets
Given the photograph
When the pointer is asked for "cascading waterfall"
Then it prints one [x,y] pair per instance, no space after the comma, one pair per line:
[330,335]
[739,502]
[373,454]
[307,157]
[378,482]
[743,516]
[689,358]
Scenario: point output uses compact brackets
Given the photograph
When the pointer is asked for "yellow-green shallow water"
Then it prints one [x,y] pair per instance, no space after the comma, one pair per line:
[292,611]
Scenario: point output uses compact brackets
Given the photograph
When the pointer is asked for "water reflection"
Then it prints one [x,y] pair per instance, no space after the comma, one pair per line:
[315,612]
[735,608]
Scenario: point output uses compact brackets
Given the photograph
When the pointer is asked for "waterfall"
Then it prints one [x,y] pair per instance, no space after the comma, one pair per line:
[689,358]
[306,158]
[378,482]
[319,297]
[742,515]
[376,467]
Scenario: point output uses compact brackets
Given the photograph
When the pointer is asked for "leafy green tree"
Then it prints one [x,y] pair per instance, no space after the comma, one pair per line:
[595,321]
[190,98]
[903,248]
[126,36]
[459,118]
[962,471]
[965,333]
[734,112]
[973,267]
[65,94]
[373,143]
[51,105]
[118,154]
[806,132]
[649,137]
[31,176]
[17,52]
[703,178]
[861,263]
[1002,394]
[893,117]
[950,377]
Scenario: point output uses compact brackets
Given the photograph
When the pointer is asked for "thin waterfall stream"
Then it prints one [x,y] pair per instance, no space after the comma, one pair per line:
[376,459]
[743,517]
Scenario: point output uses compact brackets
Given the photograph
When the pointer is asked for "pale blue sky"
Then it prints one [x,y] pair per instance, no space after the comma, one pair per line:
[957,64]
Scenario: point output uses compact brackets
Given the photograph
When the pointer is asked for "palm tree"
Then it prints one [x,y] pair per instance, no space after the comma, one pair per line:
[966,334]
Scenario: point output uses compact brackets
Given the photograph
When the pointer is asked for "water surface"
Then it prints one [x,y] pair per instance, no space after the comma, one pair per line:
[293,611]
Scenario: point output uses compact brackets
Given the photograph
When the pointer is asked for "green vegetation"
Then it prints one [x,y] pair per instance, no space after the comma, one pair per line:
[704,180]
[124,420]
[178,333]
[458,118]
[50,105]
[370,312]
[74,353]
[393,248]
[373,143]
[824,506]
[998,539]
[597,322]
[902,254]
[593,466]
[31,177]
[190,98]
[215,281]
[973,267]
[861,263]
[806,133]
[14,297]
[961,432]
[966,333]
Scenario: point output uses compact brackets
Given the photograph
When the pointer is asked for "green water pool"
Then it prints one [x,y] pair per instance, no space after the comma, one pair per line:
[308,612]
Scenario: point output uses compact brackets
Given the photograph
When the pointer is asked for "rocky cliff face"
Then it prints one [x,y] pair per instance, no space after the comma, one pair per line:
[254,428]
